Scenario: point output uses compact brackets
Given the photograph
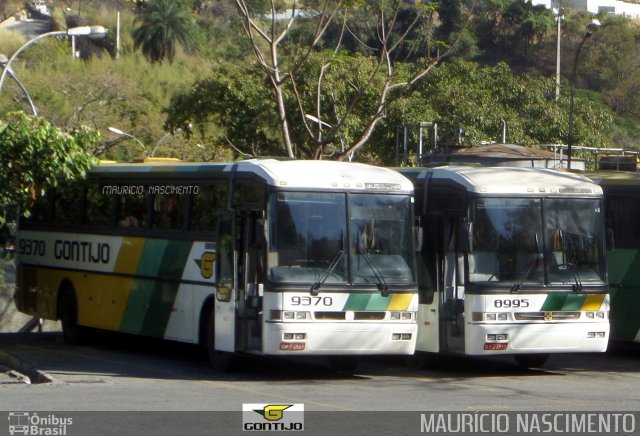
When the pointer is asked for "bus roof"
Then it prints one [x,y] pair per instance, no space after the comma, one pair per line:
[511,180]
[316,174]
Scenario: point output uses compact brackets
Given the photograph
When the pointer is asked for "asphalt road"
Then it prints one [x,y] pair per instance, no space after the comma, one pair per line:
[128,374]
[29,28]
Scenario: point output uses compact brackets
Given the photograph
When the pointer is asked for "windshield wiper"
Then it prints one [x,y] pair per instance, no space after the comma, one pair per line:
[382,284]
[536,259]
[570,266]
[316,286]
[518,284]
[577,286]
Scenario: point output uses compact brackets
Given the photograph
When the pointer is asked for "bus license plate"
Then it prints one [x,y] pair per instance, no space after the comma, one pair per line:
[495,347]
[291,346]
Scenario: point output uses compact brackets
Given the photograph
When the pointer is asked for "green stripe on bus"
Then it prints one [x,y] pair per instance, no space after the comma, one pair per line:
[366,302]
[174,260]
[137,304]
[574,302]
[151,302]
[553,302]
[164,294]
[563,301]
[151,257]
[357,302]
[378,302]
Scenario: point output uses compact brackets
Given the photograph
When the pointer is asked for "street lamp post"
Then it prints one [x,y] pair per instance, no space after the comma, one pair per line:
[3,63]
[128,135]
[91,31]
[591,28]
[559,18]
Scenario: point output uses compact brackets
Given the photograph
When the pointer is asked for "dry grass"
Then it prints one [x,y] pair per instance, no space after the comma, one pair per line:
[10,41]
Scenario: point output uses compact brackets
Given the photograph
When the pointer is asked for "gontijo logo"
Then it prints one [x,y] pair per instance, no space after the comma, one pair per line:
[273,417]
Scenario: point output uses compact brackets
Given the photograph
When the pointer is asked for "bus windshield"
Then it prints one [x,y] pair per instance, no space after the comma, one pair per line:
[312,239]
[536,241]
[574,240]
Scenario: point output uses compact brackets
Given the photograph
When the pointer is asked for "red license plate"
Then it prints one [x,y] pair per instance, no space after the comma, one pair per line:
[292,346]
[492,346]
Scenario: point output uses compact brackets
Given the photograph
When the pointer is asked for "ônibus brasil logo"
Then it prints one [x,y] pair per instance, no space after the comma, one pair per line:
[273,417]
[28,423]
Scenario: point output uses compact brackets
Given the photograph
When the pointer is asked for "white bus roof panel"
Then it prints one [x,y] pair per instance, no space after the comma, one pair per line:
[513,180]
[291,174]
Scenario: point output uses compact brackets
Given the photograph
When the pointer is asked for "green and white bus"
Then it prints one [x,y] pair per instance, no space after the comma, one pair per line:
[259,256]
[512,262]
[622,208]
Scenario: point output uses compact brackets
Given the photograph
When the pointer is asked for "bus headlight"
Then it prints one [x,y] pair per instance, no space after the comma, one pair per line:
[292,336]
[280,315]
[397,316]
[481,316]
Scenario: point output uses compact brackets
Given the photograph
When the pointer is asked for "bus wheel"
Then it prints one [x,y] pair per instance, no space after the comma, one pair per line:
[72,332]
[343,363]
[219,360]
[530,360]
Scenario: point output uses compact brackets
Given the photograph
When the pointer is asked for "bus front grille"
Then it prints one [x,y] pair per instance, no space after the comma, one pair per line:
[331,315]
[546,316]
[368,316]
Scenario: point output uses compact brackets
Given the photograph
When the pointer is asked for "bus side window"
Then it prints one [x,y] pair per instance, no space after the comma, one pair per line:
[205,207]
[132,210]
[248,195]
[99,206]
[65,207]
[41,210]
[168,211]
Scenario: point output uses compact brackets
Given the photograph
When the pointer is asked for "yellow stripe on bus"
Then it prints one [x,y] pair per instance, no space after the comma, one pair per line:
[592,302]
[400,302]
[129,255]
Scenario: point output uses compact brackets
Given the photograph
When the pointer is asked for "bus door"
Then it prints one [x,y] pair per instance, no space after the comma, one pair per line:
[227,262]
[252,281]
[248,202]
[452,301]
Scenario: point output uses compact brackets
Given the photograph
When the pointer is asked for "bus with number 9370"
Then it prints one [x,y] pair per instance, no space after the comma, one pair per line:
[265,256]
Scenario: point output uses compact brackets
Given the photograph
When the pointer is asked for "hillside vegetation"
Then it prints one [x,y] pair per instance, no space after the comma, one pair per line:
[228,81]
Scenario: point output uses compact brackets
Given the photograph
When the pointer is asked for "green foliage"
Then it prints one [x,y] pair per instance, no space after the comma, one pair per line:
[162,24]
[477,99]
[231,103]
[35,155]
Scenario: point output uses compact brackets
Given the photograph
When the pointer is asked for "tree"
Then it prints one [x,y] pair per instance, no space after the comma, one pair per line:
[281,60]
[35,156]
[161,25]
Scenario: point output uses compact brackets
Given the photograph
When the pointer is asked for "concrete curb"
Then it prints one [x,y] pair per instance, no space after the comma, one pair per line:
[25,368]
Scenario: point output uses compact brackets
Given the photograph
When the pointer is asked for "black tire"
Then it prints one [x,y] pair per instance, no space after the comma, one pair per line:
[346,364]
[72,332]
[531,360]
[219,360]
